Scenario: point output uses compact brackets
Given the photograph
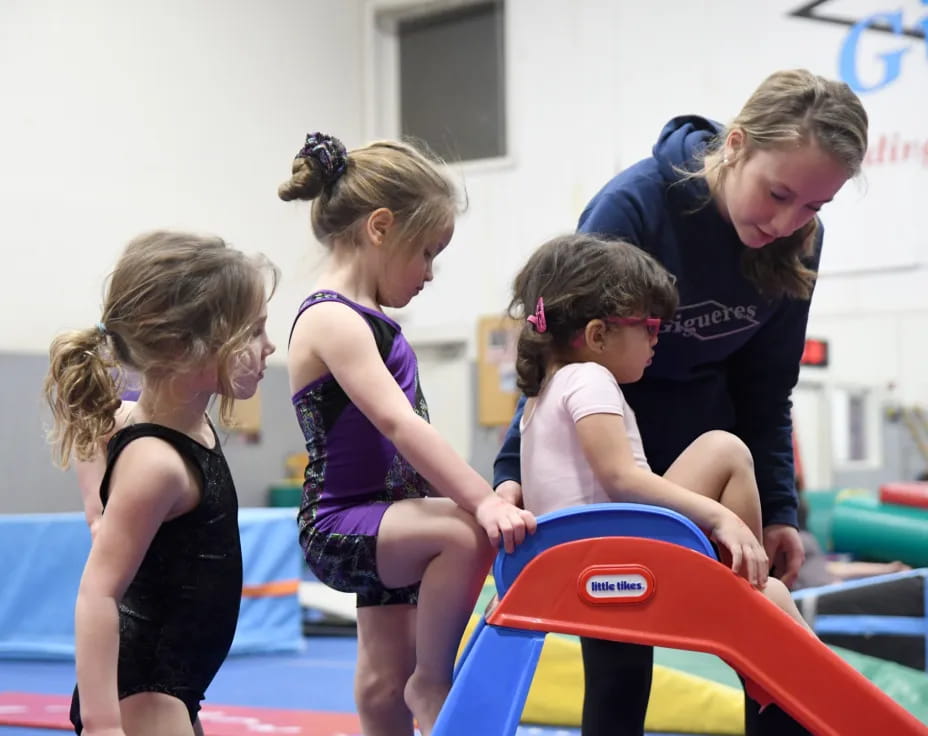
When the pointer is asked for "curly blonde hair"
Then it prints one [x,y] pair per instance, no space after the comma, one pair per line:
[174,301]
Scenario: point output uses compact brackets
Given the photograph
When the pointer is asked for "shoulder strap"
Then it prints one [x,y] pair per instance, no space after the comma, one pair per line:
[187,448]
[383,331]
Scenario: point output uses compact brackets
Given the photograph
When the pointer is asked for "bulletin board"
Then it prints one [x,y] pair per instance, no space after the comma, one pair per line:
[497,337]
[246,419]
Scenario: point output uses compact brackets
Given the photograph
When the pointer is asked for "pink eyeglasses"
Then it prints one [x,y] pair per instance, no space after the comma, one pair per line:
[652,324]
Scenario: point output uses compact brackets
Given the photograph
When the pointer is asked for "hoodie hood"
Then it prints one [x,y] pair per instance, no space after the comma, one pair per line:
[680,141]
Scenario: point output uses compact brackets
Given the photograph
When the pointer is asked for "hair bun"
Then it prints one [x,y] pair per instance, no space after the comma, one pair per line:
[318,164]
[328,152]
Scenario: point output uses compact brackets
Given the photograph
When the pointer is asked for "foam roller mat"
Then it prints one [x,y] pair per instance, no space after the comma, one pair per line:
[874,531]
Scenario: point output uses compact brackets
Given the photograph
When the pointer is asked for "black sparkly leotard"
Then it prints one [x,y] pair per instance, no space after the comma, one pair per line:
[178,615]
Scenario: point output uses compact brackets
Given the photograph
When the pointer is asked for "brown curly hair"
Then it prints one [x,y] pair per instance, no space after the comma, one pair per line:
[582,277]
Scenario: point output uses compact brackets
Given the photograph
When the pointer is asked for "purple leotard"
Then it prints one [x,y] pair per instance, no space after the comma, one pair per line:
[354,473]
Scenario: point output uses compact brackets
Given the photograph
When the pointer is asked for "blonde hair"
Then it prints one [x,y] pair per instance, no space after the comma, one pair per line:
[396,175]
[173,301]
[582,277]
[789,108]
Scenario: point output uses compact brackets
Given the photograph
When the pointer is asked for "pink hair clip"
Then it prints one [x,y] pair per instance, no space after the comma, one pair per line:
[538,319]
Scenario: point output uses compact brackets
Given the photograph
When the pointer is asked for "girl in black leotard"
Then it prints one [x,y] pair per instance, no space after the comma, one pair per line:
[158,602]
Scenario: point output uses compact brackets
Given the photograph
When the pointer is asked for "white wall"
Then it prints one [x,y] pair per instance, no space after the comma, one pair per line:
[124,116]
[590,83]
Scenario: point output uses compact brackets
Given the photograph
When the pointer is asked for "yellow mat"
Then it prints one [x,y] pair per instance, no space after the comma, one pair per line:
[680,702]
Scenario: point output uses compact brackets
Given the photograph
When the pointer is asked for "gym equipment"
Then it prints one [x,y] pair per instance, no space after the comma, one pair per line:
[885,616]
[870,530]
[579,575]
[905,494]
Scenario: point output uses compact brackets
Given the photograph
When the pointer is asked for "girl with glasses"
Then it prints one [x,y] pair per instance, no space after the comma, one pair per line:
[732,212]
[594,310]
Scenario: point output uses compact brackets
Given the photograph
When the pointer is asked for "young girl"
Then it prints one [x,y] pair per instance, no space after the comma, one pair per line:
[385,212]
[595,308]
[731,212]
[158,601]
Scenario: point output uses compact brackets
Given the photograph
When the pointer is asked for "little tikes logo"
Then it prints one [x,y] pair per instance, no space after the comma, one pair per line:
[711,320]
[616,584]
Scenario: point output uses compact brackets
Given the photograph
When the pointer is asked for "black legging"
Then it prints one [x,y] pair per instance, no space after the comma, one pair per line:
[617,679]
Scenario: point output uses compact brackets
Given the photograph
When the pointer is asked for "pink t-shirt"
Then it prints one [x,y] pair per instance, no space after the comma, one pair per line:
[555,473]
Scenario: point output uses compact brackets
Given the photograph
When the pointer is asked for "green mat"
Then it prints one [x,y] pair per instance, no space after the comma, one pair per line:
[907,686]
[819,511]
[870,530]
[284,495]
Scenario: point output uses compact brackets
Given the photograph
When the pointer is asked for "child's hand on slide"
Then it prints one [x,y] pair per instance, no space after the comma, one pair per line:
[499,518]
[747,556]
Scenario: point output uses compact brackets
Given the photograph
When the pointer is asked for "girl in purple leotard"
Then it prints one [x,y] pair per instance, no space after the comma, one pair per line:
[389,510]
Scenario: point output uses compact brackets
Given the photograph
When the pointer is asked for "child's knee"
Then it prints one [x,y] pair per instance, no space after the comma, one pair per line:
[475,551]
[380,692]
[729,448]
[468,538]
[777,592]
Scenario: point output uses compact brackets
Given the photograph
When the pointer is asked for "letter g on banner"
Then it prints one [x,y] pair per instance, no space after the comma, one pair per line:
[891,60]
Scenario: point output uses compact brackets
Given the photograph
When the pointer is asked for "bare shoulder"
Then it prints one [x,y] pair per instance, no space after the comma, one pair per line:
[324,319]
[150,471]
[327,333]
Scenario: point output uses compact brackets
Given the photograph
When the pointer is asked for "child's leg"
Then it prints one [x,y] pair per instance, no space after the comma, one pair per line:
[437,542]
[386,659]
[779,594]
[719,465]
[617,686]
[155,714]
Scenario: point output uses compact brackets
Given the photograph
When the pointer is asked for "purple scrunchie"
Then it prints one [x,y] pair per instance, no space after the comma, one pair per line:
[329,152]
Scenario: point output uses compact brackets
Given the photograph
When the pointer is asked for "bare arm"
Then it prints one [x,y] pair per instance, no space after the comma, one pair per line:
[604,440]
[89,474]
[149,484]
[336,336]
[853,570]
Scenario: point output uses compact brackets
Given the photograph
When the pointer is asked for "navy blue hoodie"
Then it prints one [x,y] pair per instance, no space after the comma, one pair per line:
[730,357]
